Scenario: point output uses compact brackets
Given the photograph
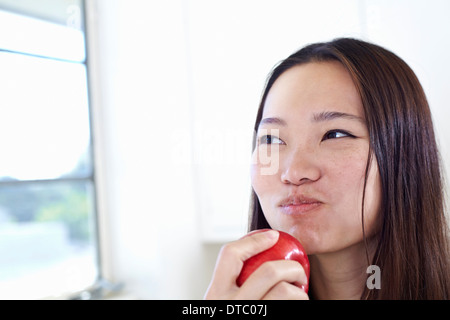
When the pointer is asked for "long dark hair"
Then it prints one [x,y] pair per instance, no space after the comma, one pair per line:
[413,245]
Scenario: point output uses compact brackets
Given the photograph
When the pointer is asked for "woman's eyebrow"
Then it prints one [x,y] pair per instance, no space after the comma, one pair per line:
[317,117]
[273,120]
[331,115]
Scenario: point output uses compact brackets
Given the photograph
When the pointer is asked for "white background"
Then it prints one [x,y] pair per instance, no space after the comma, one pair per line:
[176,85]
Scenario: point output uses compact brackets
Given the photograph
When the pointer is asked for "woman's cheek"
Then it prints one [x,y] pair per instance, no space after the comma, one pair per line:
[254,167]
[264,185]
[258,181]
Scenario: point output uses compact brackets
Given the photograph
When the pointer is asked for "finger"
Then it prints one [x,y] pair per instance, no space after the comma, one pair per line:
[256,242]
[232,256]
[269,274]
[286,291]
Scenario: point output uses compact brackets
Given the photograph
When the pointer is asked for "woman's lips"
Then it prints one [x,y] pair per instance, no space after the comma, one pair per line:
[298,204]
[297,209]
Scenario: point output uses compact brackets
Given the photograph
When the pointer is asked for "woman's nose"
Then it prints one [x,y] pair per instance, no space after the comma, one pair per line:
[300,166]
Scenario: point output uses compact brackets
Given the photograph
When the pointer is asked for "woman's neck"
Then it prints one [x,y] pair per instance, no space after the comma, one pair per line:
[339,275]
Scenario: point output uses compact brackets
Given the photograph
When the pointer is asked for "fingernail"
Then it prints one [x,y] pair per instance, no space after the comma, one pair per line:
[305,287]
[272,234]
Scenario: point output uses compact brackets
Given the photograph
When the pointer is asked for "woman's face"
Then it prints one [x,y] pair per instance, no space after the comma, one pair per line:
[309,164]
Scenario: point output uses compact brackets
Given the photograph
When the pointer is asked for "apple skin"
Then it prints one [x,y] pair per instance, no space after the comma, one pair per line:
[286,248]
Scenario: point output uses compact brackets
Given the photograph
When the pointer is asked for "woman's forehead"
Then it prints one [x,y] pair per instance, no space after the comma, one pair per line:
[314,87]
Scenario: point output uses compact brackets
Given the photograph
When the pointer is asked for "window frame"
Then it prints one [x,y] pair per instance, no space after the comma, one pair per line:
[99,285]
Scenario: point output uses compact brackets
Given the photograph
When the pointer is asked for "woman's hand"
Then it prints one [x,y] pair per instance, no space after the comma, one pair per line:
[279,279]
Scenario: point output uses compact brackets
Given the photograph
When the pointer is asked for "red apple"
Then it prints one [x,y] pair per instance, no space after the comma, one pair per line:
[286,248]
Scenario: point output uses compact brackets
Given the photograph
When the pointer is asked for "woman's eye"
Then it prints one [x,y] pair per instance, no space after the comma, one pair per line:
[270,139]
[336,134]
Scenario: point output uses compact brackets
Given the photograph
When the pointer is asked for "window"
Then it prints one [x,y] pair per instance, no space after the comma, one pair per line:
[48,237]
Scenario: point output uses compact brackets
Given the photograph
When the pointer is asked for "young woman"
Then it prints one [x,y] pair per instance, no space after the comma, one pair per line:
[355,176]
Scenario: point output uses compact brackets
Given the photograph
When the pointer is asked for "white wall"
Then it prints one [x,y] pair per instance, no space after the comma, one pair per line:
[419,32]
[176,86]
[150,225]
